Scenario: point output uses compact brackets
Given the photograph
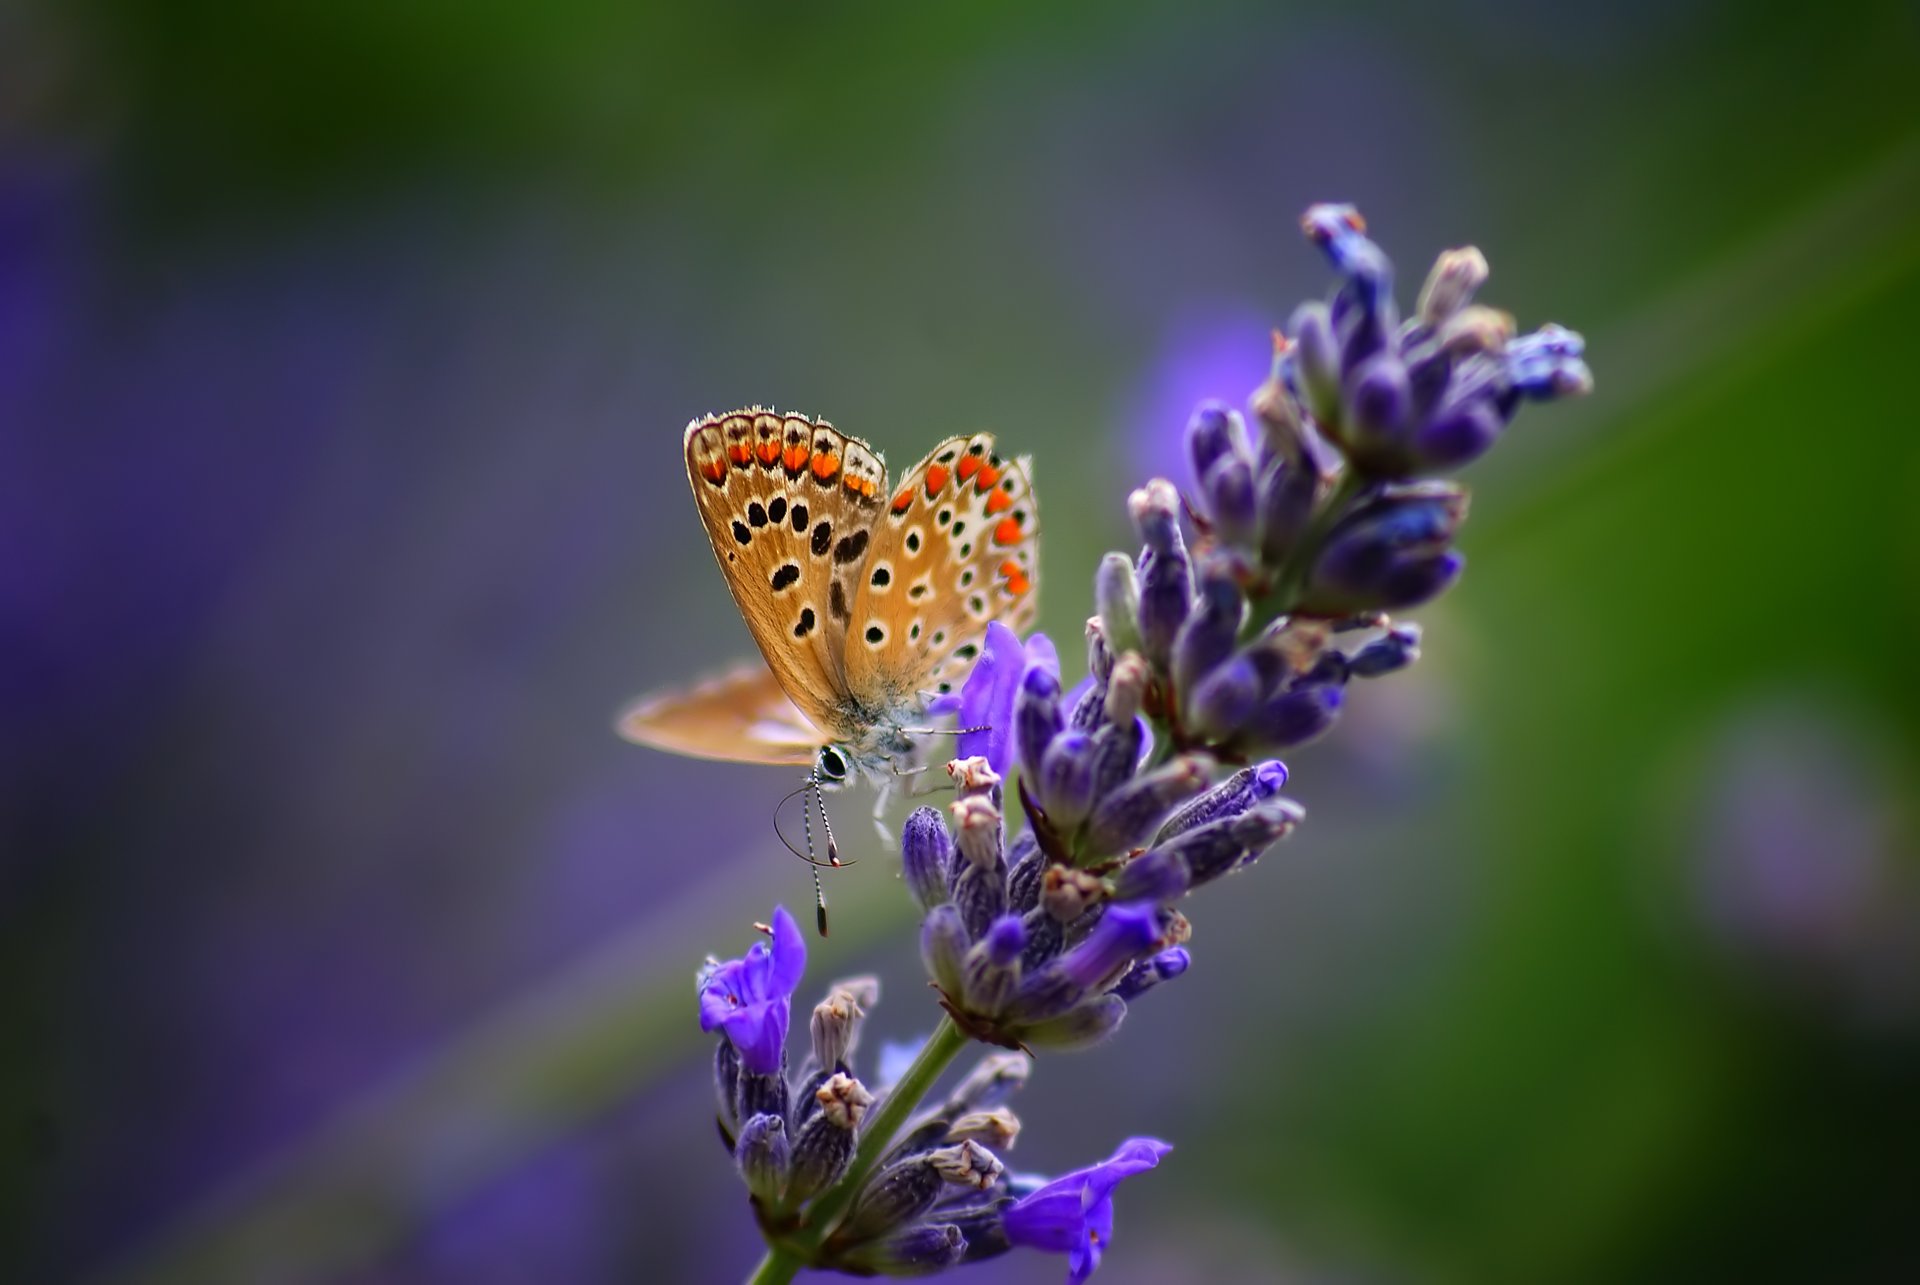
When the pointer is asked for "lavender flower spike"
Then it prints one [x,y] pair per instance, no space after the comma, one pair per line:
[748,999]
[1073,1214]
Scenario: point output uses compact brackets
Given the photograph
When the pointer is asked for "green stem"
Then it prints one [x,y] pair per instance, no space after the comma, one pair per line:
[777,1268]
[877,1135]
[1292,581]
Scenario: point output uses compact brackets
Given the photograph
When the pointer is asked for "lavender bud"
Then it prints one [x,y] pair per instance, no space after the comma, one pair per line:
[995,1130]
[1066,780]
[1099,653]
[980,876]
[1242,790]
[1316,359]
[1127,816]
[1456,275]
[1157,875]
[1209,633]
[1475,330]
[1547,364]
[836,1019]
[967,1164]
[1045,936]
[943,945]
[1036,716]
[1287,492]
[763,1154]
[993,1079]
[920,1250]
[1066,893]
[974,777]
[1231,501]
[1294,717]
[1457,434]
[897,1195]
[1116,596]
[1211,850]
[762,1094]
[1396,649]
[1027,865]
[1166,581]
[984,1227]
[1379,400]
[1116,753]
[1148,973]
[992,966]
[726,1084]
[926,853]
[824,1144]
[1123,934]
[1221,703]
[1369,556]
[1081,1027]
[1213,433]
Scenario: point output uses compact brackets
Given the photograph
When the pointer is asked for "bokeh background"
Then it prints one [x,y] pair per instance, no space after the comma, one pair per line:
[344,354]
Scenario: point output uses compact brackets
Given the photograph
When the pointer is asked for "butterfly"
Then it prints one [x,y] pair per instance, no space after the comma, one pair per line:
[863,598]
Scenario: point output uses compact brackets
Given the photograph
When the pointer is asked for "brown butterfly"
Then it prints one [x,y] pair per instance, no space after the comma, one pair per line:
[863,599]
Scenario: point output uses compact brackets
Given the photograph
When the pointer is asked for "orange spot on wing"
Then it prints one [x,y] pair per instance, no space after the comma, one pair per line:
[860,485]
[714,470]
[967,467]
[903,501]
[796,457]
[999,502]
[740,453]
[769,450]
[1018,584]
[1008,532]
[988,476]
[825,464]
[936,478]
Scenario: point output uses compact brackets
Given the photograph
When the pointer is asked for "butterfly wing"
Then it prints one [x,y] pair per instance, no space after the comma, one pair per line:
[740,716]
[789,504]
[958,547]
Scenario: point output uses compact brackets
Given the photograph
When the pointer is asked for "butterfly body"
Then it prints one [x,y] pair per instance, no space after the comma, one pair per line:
[864,597]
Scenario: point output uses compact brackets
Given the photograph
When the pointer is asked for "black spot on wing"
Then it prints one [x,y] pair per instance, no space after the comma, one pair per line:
[837,600]
[740,531]
[851,547]
[822,538]
[785,576]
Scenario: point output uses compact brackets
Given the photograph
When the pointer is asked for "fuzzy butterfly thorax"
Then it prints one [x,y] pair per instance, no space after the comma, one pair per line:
[864,597]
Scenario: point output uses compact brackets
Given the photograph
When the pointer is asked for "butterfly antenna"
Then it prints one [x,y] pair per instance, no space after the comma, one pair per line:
[943,731]
[812,787]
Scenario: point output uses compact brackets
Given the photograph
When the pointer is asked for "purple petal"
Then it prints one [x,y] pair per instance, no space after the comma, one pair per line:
[1073,1214]
[721,996]
[986,699]
[789,955]
[759,1033]
[1041,651]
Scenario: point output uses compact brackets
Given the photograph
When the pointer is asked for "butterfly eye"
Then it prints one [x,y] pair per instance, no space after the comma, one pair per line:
[831,765]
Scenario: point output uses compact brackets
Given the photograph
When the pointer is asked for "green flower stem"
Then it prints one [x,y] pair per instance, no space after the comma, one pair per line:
[876,1136]
[777,1268]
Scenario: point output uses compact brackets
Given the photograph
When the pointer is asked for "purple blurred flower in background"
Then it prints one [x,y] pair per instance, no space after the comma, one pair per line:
[747,999]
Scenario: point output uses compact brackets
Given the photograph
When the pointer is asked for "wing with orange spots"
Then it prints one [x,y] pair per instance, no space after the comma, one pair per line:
[741,716]
[790,505]
[958,547]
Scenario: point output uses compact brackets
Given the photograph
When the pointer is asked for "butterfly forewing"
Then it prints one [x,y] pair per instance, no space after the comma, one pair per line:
[741,716]
[789,505]
[955,549]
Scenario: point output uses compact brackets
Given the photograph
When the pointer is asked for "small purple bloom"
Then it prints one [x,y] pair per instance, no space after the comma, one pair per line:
[986,699]
[1073,1214]
[747,999]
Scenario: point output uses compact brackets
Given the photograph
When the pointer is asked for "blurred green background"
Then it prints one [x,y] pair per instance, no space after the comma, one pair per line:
[344,354]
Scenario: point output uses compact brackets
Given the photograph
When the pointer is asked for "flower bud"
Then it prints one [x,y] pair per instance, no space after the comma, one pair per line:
[995,1130]
[1456,275]
[973,777]
[1127,816]
[1215,432]
[1316,362]
[898,1194]
[943,945]
[1065,787]
[1547,364]
[980,876]
[1231,502]
[1242,790]
[1026,866]
[762,1094]
[824,1145]
[1220,704]
[918,1250]
[1456,434]
[926,853]
[1036,716]
[1156,875]
[1081,1027]
[1294,717]
[1066,893]
[1217,847]
[836,1019]
[1116,595]
[967,1164]
[763,1155]
[1150,972]
[1166,578]
[1208,636]
[1285,500]
[992,966]
[993,1079]
[726,1083]
[1396,649]
[1376,557]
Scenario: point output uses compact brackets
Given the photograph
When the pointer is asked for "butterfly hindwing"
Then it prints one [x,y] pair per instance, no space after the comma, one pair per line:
[955,549]
[741,716]
[789,505]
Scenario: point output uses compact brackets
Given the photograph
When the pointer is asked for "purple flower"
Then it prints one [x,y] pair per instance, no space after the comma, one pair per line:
[986,699]
[747,999]
[1073,1214]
